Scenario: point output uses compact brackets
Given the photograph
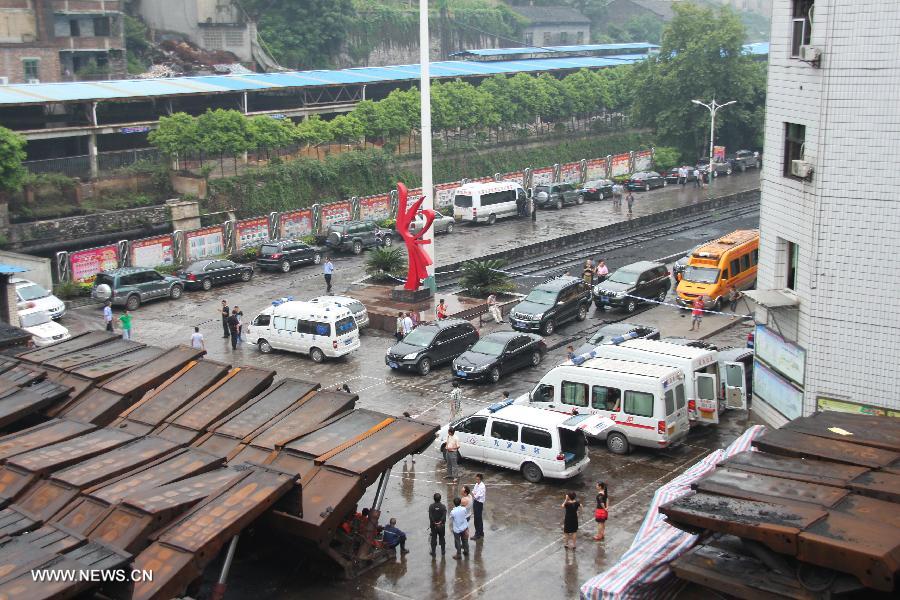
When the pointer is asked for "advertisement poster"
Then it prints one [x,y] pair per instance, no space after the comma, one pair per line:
[620,164]
[776,391]
[335,213]
[787,358]
[596,169]
[570,173]
[201,243]
[375,207]
[542,176]
[152,252]
[295,224]
[844,406]
[443,195]
[251,232]
[87,263]
[516,176]
[719,153]
[643,160]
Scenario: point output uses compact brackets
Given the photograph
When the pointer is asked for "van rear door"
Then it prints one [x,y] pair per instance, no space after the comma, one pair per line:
[735,385]
[707,398]
[592,425]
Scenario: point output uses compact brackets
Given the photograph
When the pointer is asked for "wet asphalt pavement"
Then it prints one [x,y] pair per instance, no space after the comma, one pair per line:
[522,554]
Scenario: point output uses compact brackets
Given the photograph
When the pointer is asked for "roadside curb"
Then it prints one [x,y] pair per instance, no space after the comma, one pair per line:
[725,326]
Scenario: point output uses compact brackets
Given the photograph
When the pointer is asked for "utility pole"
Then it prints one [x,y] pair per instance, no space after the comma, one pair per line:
[425,130]
[713,107]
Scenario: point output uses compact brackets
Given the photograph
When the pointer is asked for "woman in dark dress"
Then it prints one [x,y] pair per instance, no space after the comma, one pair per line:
[601,512]
[570,523]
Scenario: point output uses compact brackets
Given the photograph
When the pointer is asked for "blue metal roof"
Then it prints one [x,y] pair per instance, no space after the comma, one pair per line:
[551,49]
[757,49]
[149,88]
[10,269]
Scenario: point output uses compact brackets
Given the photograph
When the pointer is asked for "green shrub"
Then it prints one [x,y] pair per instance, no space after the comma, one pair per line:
[167,269]
[69,289]
[666,157]
[482,277]
[385,264]
[310,239]
[246,255]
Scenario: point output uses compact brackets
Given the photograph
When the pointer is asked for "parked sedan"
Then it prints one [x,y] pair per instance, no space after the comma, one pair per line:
[646,181]
[204,274]
[607,333]
[719,168]
[431,344]
[499,353]
[672,174]
[442,224]
[596,190]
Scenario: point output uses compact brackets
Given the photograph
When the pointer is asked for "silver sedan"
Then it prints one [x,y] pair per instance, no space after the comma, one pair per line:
[442,224]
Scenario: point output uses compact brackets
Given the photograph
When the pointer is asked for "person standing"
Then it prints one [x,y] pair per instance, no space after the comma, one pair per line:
[107,315]
[697,181]
[233,325]
[571,505]
[588,273]
[125,319]
[570,352]
[630,200]
[602,270]
[328,271]
[408,324]
[601,513]
[225,312]
[696,313]
[451,448]
[465,498]
[494,308]
[441,310]
[240,326]
[437,524]
[455,402]
[479,496]
[197,340]
[460,527]
[400,329]
[733,296]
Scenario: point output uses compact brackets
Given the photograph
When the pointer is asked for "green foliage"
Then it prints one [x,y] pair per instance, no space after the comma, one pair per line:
[385,263]
[167,269]
[666,157]
[92,71]
[12,153]
[245,255]
[346,128]
[68,290]
[176,135]
[641,28]
[224,132]
[267,132]
[482,277]
[700,58]
[137,44]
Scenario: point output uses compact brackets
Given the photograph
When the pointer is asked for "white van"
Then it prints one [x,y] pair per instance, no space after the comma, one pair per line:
[487,202]
[700,367]
[538,443]
[355,306]
[43,329]
[646,402]
[318,330]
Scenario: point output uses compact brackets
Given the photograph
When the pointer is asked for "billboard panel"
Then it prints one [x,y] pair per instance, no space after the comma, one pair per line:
[596,168]
[85,264]
[295,224]
[570,173]
[620,164]
[251,232]
[152,252]
[336,213]
[375,207]
[205,242]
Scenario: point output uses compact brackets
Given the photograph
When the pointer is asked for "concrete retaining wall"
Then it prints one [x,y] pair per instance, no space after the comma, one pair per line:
[614,229]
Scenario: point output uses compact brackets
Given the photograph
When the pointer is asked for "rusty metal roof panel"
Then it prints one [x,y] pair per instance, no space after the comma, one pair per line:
[22,403]
[14,521]
[48,537]
[872,509]
[45,498]
[23,375]
[146,376]
[82,514]
[182,492]
[175,433]
[878,432]
[43,434]
[7,363]
[241,384]
[259,411]
[74,344]
[72,360]
[177,392]
[791,443]
[304,419]
[876,484]
[375,453]
[115,462]
[62,454]
[327,497]
[111,365]
[97,406]
[799,469]
[753,486]
[336,432]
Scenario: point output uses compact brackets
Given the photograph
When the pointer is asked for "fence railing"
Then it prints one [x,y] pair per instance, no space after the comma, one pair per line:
[80,166]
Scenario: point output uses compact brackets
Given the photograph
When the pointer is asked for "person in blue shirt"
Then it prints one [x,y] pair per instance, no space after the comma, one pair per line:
[460,525]
[328,271]
[394,537]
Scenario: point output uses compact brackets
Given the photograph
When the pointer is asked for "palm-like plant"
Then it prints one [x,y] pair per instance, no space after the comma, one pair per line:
[483,277]
[385,263]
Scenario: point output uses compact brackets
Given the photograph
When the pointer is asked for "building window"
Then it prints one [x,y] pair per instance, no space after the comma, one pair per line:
[101,26]
[793,259]
[801,25]
[529,38]
[548,38]
[579,39]
[794,138]
[563,38]
[74,28]
[31,68]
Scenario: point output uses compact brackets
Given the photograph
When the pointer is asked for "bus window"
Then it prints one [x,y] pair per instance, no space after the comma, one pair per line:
[605,398]
[574,394]
[745,262]
[735,267]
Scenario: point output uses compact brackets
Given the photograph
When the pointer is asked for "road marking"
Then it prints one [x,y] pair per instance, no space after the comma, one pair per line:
[395,594]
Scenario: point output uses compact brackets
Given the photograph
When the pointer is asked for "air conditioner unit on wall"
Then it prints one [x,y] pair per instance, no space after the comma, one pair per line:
[32,81]
[4,80]
[810,54]
[801,168]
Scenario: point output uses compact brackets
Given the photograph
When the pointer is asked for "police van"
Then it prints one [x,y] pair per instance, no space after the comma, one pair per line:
[537,443]
[645,402]
[318,330]
[487,202]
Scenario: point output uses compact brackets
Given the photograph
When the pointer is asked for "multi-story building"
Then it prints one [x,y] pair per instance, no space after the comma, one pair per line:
[60,40]
[554,25]
[828,291]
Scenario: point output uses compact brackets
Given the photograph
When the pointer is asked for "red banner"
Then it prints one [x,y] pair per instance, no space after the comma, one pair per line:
[152,252]
[205,242]
[86,264]
[570,172]
[295,224]
[542,176]
[596,168]
[375,207]
[335,213]
[620,163]
[443,194]
[251,232]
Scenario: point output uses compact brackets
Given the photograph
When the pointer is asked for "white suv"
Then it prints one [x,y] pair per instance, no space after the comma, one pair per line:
[31,295]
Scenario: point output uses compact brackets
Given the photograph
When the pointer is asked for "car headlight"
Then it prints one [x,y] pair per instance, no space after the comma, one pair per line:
[538,316]
[411,356]
[387,352]
[480,368]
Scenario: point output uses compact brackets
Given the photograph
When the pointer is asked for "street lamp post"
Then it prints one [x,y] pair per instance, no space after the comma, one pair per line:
[425,132]
[713,107]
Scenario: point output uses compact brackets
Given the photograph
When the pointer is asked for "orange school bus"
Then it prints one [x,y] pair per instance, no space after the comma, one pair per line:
[714,267]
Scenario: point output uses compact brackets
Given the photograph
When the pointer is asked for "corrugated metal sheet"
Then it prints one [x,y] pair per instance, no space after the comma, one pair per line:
[552,49]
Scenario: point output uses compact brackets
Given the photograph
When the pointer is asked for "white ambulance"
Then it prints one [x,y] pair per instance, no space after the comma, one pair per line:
[487,202]
[319,330]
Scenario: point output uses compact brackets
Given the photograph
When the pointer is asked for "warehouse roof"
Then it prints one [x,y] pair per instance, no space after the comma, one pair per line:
[584,48]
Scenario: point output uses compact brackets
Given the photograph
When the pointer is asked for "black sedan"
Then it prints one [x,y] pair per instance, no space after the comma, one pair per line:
[596,190]
[204,274]
[607,333]
[499,353]
[646,181]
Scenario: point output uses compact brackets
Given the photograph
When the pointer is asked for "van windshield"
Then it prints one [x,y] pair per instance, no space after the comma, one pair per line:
[701,274]
[539,296]
[420,336]
[463,201]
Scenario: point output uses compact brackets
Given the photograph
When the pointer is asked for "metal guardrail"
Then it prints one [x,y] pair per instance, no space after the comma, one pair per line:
[80,166]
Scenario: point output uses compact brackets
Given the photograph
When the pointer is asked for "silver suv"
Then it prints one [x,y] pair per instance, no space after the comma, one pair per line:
[132,286]
[557,194]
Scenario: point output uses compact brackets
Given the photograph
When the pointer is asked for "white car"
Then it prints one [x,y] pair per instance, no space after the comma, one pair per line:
[31,295]
[43,329]
[360,314]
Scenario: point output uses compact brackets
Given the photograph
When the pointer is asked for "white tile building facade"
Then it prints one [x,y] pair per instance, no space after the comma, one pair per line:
[845,219]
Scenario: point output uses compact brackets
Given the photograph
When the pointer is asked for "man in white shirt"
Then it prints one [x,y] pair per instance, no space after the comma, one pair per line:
[455,402]
[107,315]
[478,494]
[494,308]
[460,527]
[451,449]
[197,340]
[408,324]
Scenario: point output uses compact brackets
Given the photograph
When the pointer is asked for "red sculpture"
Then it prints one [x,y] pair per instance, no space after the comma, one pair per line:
[418,258]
